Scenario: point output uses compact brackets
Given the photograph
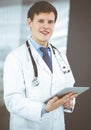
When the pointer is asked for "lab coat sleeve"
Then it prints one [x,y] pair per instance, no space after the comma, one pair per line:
[14,91]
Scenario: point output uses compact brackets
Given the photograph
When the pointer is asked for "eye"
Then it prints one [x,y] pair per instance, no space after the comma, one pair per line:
[51,21]
[41,21]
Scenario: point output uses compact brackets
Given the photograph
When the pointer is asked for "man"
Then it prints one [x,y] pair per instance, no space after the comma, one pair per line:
[29,81]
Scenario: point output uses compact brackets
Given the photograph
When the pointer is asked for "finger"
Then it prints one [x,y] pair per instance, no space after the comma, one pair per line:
[71,95]
[68,104]
[54,99]
[67,98]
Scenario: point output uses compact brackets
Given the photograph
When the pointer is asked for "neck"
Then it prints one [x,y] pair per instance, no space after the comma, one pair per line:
[42,43]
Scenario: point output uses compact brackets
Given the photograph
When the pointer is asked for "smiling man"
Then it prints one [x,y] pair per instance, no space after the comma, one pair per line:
[42,27]
[35,71]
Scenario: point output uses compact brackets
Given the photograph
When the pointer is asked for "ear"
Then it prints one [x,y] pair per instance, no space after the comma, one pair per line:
[29,22]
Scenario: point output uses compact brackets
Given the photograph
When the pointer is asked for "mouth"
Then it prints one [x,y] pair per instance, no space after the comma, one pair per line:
[44,32]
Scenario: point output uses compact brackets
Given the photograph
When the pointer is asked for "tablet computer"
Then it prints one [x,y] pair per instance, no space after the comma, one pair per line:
[78,90]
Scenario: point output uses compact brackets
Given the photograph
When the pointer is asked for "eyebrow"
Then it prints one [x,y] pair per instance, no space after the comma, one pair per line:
[50,20]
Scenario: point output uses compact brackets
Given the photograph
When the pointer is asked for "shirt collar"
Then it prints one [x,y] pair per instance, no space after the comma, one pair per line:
[34,43]
[37,46]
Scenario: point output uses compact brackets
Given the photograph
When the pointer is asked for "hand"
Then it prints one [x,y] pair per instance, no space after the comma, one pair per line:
[56,102]
[69,104]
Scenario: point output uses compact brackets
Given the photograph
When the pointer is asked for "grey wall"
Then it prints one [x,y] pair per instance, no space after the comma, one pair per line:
[79,55]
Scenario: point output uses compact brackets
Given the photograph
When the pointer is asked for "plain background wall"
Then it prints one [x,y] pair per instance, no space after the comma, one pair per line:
[79,55]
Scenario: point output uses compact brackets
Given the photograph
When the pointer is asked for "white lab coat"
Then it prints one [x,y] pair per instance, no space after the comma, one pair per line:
[24,101]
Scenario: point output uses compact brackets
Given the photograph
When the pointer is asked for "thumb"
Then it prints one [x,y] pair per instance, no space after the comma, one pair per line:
[54,99]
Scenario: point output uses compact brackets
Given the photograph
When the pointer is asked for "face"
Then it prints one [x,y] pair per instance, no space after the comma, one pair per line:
[42,27]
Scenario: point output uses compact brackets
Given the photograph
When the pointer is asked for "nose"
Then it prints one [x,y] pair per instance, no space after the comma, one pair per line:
[46,25]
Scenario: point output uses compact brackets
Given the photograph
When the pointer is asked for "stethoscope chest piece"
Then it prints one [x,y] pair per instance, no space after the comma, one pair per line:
[35,82]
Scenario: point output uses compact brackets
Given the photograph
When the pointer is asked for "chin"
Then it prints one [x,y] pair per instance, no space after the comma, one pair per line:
[44,39]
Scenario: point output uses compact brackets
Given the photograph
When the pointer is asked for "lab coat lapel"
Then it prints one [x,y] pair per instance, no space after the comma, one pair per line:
[42,63]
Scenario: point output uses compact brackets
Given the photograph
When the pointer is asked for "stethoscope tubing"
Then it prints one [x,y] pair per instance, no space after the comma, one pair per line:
[32,59]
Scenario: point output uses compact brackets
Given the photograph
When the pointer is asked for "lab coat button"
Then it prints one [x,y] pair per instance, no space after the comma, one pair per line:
[64,67]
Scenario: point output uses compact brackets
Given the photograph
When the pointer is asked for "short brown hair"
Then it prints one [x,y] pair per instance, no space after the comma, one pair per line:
[41,7]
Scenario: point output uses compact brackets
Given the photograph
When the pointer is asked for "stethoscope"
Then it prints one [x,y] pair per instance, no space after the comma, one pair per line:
[65,69]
